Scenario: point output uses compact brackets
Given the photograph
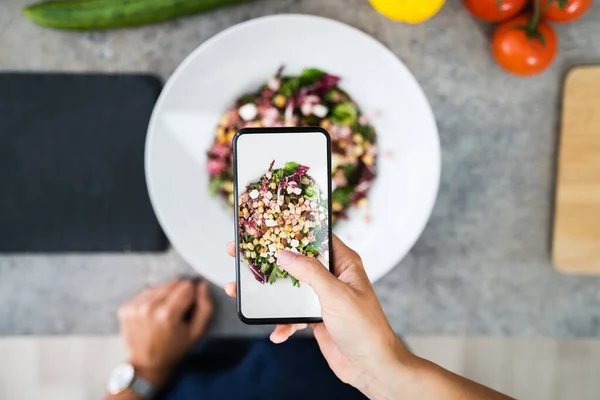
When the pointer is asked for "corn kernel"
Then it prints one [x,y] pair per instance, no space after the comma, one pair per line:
[250,246]
[227,186]
[368,159]
[336,206]
[358,150]
[279,101]
[357,138]
[221,134]
[325,124]
[255,242]
[273,185]
[230,135]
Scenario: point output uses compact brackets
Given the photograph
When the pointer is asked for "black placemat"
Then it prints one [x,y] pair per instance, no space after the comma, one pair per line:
[72,163]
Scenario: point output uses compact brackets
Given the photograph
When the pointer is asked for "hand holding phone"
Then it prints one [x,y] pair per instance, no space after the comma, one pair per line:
[355,336]
[282,186]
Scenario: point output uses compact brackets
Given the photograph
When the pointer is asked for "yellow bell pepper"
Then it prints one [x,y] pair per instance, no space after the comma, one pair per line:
[409,11]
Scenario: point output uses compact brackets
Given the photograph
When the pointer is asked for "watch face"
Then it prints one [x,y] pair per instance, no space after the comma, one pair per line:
[120,378]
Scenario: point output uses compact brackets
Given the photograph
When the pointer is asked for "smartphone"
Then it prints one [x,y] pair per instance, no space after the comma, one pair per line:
[282,187]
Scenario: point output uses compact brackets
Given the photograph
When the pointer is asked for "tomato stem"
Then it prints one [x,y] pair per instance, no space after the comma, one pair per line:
[532,27]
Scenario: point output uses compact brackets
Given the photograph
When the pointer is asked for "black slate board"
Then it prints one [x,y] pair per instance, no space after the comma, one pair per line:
[72,163]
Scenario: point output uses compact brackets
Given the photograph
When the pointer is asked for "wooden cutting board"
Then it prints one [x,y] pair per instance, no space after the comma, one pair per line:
[576,247]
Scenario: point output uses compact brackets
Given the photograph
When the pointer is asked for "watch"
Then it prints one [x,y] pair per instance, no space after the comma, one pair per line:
[123,378]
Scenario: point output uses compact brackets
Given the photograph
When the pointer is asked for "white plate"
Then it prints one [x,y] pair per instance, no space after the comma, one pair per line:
[238,60]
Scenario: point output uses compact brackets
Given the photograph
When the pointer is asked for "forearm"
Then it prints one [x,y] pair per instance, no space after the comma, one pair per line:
[406,376]
[430,381]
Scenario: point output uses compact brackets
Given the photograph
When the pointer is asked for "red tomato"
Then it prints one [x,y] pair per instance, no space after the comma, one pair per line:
[493,11]
[572,9]
[523,53]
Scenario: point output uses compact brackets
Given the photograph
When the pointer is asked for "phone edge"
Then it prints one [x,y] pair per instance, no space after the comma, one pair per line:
[238,302]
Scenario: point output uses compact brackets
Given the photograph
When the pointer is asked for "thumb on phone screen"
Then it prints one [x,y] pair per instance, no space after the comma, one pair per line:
[308,270]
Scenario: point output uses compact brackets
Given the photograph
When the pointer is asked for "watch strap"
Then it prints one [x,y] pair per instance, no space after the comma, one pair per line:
[142,388]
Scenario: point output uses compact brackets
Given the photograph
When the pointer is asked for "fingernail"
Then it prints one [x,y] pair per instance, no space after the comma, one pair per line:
[301,326]
[276,340]
[285,258]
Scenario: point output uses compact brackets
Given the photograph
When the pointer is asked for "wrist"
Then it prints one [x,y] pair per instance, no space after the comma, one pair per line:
[392,374]
[157,377]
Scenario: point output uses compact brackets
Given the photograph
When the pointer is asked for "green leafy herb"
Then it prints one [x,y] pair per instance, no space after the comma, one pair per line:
[366,131]
[280,273]
[333,96]
[278,175]
[310,76]
[349,170]
[289,86]
[295,281]
[249,98]
[311,193]
[273,276]
[290,167]
[215,185]
[311,120]
[342,195]
[344,114]
[312,248]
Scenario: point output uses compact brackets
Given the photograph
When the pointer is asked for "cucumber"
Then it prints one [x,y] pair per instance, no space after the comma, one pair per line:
[105,14]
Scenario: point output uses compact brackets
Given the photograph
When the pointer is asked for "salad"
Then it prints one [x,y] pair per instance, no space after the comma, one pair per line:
[283,210]
[313,98]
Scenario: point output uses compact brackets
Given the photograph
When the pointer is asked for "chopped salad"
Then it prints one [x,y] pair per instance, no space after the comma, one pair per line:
[283,210]
[312,98]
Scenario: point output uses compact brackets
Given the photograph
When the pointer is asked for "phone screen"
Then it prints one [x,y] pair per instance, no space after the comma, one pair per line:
[283,187]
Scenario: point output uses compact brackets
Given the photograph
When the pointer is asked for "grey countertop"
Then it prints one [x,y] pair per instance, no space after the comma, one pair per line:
[482,265]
